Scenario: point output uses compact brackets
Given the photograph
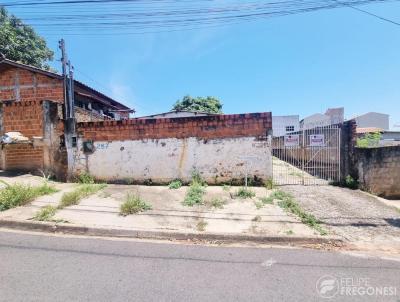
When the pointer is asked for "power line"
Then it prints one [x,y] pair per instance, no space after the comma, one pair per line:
[370,14]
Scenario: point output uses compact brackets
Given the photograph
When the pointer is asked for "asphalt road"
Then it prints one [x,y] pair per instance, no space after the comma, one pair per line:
[55,268]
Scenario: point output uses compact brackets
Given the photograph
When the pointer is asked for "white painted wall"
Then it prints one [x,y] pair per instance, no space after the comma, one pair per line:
[164,160]
[373,119]
[279,124]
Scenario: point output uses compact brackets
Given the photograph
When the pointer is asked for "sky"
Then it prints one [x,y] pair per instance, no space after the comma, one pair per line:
[298,64]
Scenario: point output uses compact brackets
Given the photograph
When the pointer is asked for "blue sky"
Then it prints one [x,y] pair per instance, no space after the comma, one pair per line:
[299,64]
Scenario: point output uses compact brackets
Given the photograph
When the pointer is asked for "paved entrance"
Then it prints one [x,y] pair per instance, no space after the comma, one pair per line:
[307,157]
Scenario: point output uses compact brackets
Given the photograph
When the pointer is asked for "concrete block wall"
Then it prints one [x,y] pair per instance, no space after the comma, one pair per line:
[379,170]
[221,148]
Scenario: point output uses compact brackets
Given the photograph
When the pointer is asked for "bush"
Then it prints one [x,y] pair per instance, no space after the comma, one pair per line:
[83,191]
[350,182]
[85,178]
[133,204]
[194,196]
[44,214]
[369,140]
[245,193]
[19,194]
[176,184]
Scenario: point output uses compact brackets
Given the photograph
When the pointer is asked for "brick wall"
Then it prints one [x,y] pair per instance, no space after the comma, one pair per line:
[379,170]
[205,127]
[25,117]
[23,157]
[24,85]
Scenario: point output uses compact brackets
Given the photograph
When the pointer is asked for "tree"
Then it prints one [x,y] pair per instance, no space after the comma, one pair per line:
[19,42]
[199,104]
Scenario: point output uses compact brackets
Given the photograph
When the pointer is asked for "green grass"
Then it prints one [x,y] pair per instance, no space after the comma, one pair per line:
[258,204]
[15,195]
[82,191]
[194,195]
[245,193]
[290,232]
[45,213]
[267,200]
[133,204]
[287,202]
[174,185]
[217,203]
[269,184]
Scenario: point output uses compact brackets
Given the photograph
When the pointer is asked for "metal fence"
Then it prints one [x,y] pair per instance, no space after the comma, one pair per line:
[306,157]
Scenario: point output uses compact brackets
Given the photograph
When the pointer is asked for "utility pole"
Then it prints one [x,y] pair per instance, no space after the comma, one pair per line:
[69,112]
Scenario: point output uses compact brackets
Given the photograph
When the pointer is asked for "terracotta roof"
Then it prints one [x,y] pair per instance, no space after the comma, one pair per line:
[368,130]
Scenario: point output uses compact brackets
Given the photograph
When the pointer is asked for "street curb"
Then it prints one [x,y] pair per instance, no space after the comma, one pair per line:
[63,228]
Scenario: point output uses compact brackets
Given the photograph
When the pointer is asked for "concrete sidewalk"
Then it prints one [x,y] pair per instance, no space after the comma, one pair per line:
[239,219]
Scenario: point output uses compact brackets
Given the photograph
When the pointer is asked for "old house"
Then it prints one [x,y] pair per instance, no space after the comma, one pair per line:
[32,103]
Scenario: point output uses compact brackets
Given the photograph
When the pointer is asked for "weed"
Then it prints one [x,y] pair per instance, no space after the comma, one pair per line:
[287,202]
[176,184]
[245,193]
[106,194]
[15,195]
[81,192]
[201,226]
[256,218]
[226,188]
[267,200]
[196,178]
[258,204]
[85,178]
[269,184]
[133,204]
[290,232]
[217,203]
[45,213]
[351,183]
[194,195]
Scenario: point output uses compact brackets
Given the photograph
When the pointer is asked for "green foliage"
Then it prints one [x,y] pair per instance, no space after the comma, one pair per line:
[269,184]
[133,204]
[194,195]
[19,194]
[85,178]
[82,191]
[369,140]
[244,192]
[287,202]
[176,184]
[19,42]
[350,182]
[258,204]
[45,213]
[217,203]
[267,200]
[199,104]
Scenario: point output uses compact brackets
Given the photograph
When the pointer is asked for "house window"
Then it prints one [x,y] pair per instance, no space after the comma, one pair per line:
[289,128]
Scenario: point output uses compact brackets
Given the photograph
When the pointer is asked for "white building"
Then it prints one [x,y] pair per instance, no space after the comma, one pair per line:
[332,116]
[282,125]
[373,119]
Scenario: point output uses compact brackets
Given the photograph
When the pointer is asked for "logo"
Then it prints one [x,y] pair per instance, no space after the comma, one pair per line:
[327,286]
